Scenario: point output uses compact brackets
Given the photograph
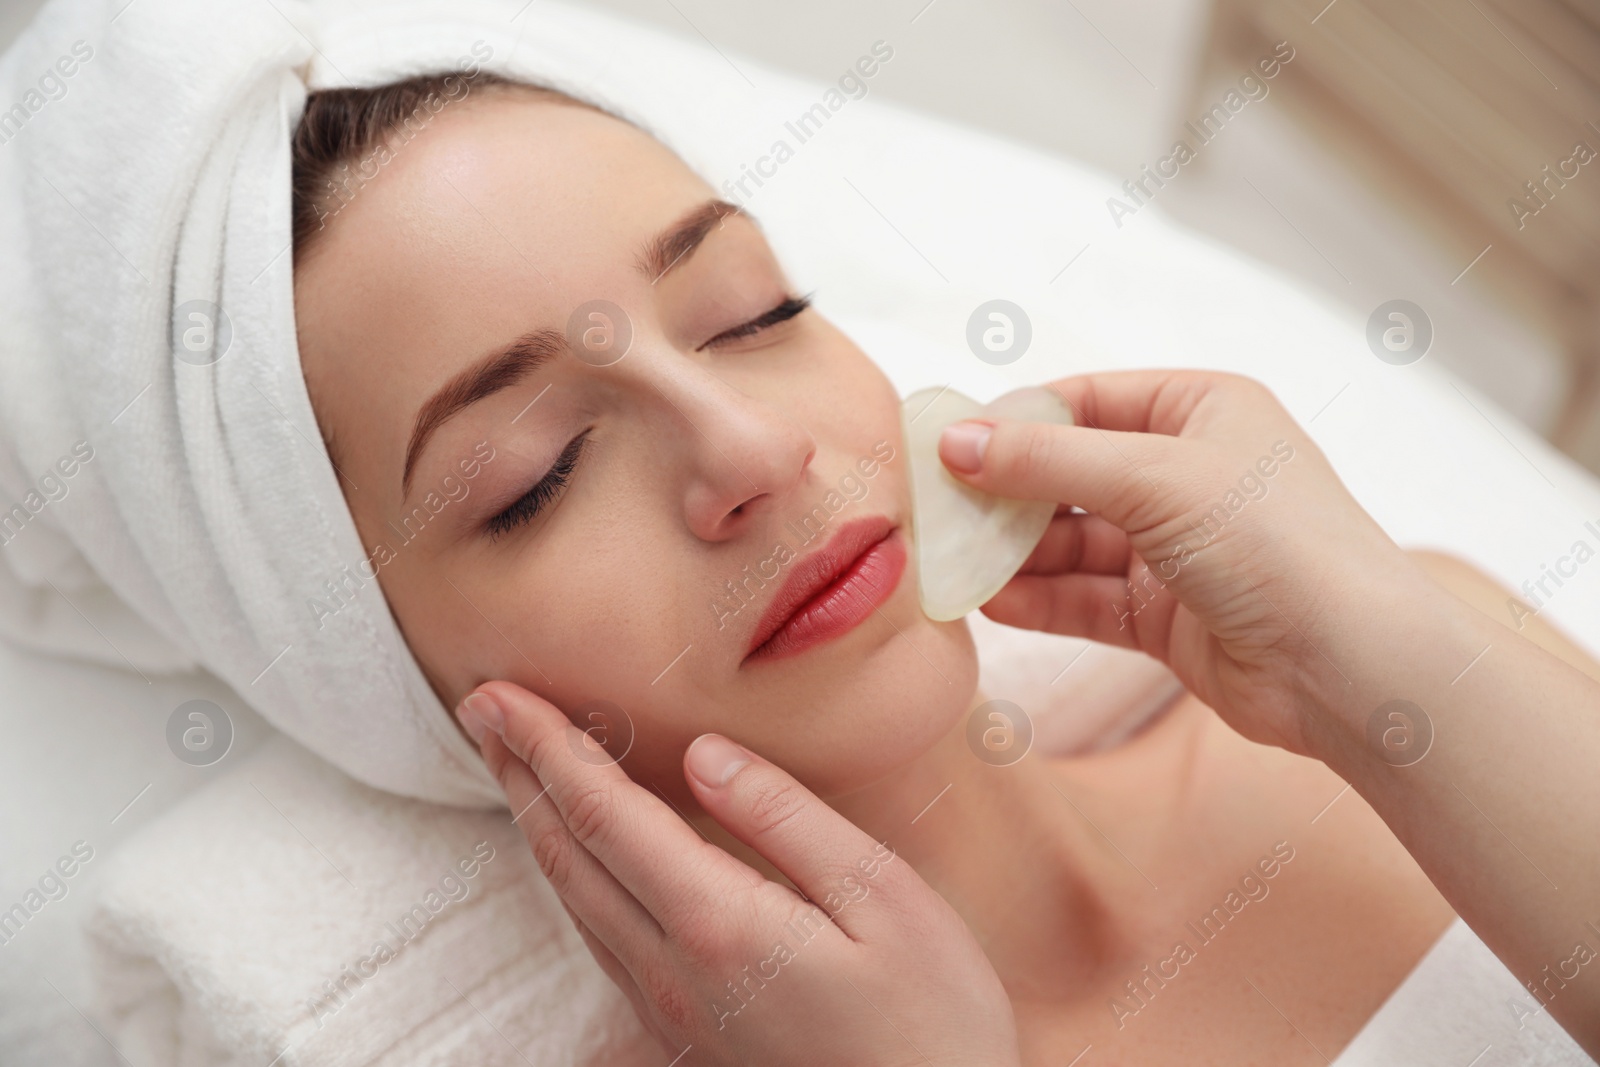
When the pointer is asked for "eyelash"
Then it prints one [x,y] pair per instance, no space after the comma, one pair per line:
[791,306]
[528,506]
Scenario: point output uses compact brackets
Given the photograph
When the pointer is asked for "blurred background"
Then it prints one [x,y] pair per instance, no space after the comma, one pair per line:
[1441,152]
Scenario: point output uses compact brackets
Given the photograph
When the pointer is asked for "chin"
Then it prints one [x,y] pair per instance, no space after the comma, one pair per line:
[891,711]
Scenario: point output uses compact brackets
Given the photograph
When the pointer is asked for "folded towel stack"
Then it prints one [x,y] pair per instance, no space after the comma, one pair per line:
[287,914]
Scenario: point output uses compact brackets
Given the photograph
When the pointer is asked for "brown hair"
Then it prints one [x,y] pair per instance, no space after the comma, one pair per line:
[346,133]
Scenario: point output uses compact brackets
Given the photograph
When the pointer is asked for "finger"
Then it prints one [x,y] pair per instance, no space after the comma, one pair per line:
[641,841]
[1099,608]
[620,976]
[1125,452]
[607,959]
[1079,543]
[1130,479]
[589,891]
[1140,401]
[828,858]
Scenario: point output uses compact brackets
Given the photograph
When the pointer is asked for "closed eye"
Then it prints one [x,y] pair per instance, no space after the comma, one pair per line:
[526,507]
[788,309]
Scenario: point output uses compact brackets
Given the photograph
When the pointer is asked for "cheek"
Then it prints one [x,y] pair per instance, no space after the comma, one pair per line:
[596,615]
[849,386]
[853,411]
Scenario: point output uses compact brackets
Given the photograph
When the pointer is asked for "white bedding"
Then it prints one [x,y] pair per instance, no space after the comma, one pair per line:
[888,214]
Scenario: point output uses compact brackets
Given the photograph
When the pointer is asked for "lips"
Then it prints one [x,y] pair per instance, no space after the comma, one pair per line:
[833,590]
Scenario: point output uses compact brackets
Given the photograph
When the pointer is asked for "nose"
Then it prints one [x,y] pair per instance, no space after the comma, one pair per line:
[747,454]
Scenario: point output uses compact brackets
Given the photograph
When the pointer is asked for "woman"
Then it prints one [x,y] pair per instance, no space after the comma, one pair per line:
[537,292]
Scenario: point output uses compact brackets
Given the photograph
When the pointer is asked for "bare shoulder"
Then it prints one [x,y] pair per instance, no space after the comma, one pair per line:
[1505,606]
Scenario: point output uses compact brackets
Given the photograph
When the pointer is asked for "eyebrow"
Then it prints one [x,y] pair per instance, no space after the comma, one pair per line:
[513,363]
[496,371]
[678,241]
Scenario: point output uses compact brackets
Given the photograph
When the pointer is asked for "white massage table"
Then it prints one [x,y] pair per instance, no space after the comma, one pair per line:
[887,214]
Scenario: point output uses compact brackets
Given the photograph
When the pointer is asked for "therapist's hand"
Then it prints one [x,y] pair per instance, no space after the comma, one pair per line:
[722,965]
[1217,539]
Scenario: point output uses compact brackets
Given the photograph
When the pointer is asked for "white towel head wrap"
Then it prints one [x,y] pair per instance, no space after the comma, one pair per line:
[166,499]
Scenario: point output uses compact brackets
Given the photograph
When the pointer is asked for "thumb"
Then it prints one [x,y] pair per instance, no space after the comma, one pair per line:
[1122,477]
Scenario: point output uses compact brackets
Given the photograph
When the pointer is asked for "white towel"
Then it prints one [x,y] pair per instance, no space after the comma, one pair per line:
[287,914]
[161,509]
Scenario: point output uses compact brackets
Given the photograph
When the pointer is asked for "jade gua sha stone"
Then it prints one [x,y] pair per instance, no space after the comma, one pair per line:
[968,543]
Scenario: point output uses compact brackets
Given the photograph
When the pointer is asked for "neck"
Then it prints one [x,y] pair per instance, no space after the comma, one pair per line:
[1008,850]
[1004,847]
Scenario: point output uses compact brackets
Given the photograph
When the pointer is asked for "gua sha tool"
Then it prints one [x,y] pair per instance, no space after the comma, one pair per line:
[968,543]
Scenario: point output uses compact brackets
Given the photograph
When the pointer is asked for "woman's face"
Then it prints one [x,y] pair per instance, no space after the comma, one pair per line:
[461,380]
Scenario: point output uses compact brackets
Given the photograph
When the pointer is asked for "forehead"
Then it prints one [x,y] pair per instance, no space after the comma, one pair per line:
[507,211]
[505,174]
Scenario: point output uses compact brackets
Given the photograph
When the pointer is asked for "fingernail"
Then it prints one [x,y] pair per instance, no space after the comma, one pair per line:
[962,444]
[713,759]
[480,713]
